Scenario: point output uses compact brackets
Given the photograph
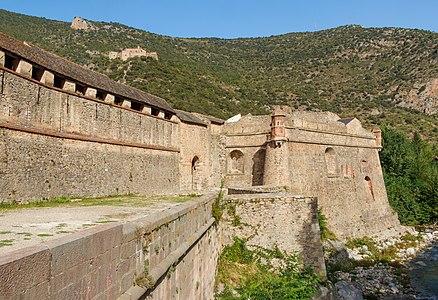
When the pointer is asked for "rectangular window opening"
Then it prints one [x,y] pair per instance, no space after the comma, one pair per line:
[37,73]
[100,95]
[136,106]
[80,89]
[118,101]
[11,62]
[154,111]
[58,82]
[167,115]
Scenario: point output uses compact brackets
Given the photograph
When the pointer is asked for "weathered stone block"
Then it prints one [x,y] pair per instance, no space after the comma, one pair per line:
[48,78]
[24,68]
[70,251]
[24,269]
[90,92]
[126,103]
[110,98]
[69,86]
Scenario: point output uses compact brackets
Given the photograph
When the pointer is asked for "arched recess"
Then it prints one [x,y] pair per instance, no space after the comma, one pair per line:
[235,165]
[369,183]
[196,178]
[331,162]
[258,167]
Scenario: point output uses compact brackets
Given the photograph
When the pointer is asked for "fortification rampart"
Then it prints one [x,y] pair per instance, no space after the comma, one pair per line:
[333,159]
[169,256]
[268,220]
[66,144]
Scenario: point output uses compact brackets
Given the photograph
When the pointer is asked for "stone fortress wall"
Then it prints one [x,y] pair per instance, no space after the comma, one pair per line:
[67,131]
[319,155]
[57,143]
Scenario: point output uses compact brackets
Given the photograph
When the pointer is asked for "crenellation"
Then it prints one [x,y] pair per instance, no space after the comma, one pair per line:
[24,68]
[110,98]
[48,78]
[90,92]
[69,86]
[126,103]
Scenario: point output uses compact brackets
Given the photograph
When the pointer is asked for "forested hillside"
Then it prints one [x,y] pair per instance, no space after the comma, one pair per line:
[380,75]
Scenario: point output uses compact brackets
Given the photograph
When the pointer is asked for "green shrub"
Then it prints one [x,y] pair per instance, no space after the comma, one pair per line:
[251,274]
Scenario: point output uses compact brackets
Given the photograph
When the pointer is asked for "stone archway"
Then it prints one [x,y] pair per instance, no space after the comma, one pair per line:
[195,173]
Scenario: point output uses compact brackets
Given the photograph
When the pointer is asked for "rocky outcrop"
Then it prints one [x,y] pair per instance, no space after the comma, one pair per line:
[422,97]
[81,24]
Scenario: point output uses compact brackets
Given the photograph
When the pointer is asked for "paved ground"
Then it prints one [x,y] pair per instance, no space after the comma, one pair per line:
[28,226]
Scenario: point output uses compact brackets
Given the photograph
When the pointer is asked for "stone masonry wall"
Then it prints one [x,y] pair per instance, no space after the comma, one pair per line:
[195,143]
[281,219]
[55,144]
[353,206]
[175,250]
[335,160]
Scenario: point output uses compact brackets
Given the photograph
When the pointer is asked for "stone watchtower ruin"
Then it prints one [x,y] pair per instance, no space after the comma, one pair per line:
[276,159]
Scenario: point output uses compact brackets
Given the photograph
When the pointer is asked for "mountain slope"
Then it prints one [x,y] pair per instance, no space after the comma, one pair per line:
[370,73]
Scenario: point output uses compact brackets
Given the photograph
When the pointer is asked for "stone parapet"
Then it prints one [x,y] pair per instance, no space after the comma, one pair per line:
[106,261]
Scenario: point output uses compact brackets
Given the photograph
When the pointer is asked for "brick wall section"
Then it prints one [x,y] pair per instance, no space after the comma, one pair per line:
[279,219]
[103,262]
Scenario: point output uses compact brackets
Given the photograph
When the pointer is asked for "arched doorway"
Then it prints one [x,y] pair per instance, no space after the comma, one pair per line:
[195,173]
[331,162]
[258,167]
[369,183]
[235,165]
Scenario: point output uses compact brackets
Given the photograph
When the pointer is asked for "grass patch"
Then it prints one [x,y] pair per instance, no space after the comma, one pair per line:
[217,207]
[63,232]
[24,233]
[105,221]
[5,232]
[44,234]
[124,200]
[326,234]
[5,243]
[263,274]
[52,202]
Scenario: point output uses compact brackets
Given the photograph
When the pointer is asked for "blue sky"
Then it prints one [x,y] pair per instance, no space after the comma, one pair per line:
[237,18]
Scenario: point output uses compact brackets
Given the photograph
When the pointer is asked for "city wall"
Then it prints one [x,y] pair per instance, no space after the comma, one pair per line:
[171,255]
[66,144]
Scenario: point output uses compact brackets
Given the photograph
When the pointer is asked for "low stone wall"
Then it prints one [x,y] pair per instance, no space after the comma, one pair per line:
[172,254]
[276,219]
